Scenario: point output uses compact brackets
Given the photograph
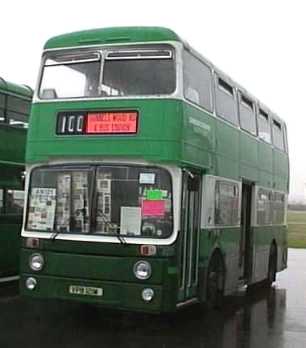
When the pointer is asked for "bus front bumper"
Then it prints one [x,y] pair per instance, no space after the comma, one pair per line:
[117,295]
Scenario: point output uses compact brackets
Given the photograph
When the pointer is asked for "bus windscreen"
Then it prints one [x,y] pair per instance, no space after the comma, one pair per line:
[105,74]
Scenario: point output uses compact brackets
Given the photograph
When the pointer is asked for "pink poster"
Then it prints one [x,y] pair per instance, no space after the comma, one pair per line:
[153,208]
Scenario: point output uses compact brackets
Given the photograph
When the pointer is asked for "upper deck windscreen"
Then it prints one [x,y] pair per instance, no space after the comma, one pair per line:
[130,71]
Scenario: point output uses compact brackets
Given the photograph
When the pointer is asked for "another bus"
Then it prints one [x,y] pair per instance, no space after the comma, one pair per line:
[15,103]
[154,181]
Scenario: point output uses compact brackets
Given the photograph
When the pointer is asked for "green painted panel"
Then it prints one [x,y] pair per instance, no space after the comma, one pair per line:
[198,138]
[94,266]
[9,87]
[158,138]
[263,235]
[227,150]
[112,35]
[265,157]
[12,148]
[281,170]
[248,157]
[9,245]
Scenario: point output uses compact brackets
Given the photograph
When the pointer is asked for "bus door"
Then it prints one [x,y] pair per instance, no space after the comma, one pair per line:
[190,225]
[246,244]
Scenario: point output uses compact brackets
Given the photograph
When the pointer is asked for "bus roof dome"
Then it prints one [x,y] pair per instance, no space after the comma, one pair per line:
[111,36]
[6,86]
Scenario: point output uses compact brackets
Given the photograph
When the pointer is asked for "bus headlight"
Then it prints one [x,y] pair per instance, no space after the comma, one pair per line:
[147,294]
[142,270]
[31,283]
[36,262]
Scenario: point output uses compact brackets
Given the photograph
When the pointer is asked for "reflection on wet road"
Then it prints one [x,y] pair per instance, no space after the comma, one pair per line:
[275,318]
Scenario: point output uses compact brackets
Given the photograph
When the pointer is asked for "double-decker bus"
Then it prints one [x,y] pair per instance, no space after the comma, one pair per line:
[154,180]
[15,103]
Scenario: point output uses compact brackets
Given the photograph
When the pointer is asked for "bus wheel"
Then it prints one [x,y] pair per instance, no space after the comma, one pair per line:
[272,266]
[215,282]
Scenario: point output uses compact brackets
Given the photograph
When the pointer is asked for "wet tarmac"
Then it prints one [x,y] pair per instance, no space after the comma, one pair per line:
[261,318]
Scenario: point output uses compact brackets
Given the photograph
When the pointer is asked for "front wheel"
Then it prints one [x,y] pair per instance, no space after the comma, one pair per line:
[215,282]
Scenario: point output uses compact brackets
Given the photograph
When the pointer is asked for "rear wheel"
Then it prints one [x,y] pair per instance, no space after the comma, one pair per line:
[272,266]
[215,282]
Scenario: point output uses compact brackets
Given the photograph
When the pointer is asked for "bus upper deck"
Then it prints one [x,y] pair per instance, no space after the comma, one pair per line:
[163,82]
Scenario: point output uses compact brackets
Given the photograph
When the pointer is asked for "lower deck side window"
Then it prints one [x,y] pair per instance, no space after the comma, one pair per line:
[271,207]
[11,202]
[227,203]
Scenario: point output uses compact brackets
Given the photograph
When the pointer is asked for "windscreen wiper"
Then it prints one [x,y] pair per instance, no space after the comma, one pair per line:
[54,235]
[121,239]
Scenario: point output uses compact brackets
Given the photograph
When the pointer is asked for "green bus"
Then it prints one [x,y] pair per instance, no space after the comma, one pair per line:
[154,180]
[15,104]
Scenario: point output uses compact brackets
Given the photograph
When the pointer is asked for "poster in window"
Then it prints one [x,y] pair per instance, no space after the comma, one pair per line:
[130,221]
[80,201]
[63,202]
[42,209]
[104,184]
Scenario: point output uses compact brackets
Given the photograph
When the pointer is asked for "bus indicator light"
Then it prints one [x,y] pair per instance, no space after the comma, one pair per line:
[32,243]
[147,250]
[112,123]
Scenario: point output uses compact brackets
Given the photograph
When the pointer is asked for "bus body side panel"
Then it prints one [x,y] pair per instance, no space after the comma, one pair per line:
[248,157]
[227,241]
[9,244]
[12,144]
[12,153]
[265,155]
[198,138]
[263,238]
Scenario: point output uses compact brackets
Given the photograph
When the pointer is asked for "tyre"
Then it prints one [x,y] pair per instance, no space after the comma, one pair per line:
[271,276]
[215,282]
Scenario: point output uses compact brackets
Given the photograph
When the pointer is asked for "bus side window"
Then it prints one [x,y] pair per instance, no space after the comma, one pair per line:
[197,81]
[285,138]
[264,128]
[14,201]
[2,107]
[17,111]
[264,207]
[226,204]
[278,137]
[247,114]
[278,208]
[226,107]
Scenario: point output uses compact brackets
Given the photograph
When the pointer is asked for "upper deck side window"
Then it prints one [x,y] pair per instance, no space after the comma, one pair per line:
[197,81]
[18,111]
[111,72]
[226,101]
[264,128]
[2,107]
[247,114]
[285,137]
[278,136]
[14,110]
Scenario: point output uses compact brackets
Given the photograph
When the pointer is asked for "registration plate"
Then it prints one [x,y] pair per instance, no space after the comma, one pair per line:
[85,290]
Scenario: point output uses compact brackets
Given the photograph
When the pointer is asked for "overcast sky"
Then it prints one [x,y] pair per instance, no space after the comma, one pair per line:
[260,44]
